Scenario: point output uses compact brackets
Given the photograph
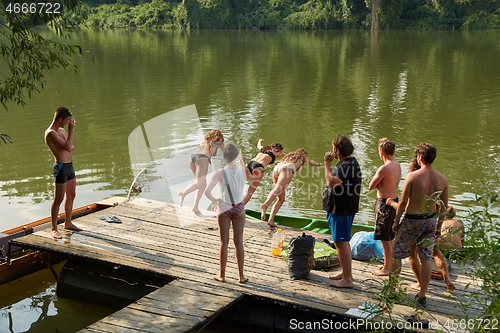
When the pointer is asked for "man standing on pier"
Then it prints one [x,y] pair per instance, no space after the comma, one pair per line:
[345,180]
[61,146]
[419,224]
[385,181]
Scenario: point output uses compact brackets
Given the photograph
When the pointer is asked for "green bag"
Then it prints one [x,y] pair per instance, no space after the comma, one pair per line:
[324,255]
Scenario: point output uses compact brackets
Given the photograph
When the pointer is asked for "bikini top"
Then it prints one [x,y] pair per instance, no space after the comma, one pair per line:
[273,157]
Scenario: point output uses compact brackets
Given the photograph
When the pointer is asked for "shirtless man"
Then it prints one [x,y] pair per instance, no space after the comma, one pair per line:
[385,181]
[418,223]
[61,146]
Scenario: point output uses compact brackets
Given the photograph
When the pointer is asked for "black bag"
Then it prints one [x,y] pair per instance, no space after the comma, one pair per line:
[328,199]
[300,256]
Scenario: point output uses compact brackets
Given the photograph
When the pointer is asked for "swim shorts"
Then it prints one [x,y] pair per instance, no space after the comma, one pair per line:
[421,231]
[385,216]
[63,172]
[340,226]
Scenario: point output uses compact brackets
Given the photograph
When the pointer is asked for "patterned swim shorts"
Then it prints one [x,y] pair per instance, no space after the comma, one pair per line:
[421,231]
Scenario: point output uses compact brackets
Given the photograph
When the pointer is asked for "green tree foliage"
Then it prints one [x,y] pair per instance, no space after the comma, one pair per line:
[26,53]
[483,236]
[298,14]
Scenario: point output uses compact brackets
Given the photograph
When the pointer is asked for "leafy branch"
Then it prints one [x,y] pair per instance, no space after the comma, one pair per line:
[27,53]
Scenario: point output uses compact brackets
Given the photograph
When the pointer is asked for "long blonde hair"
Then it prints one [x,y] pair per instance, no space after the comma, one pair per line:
[298,156]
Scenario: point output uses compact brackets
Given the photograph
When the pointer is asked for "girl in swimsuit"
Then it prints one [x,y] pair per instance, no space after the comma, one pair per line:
[282,176]
[199,166]
[258,164]
[231,209]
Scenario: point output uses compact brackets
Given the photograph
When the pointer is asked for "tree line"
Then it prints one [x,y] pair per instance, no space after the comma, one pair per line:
[295,14]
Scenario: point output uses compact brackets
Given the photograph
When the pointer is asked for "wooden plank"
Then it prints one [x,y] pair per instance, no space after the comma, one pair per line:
[177,307]
[152,238]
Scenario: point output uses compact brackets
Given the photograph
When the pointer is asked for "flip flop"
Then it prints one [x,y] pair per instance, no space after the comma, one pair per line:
[370,307]
[112,219]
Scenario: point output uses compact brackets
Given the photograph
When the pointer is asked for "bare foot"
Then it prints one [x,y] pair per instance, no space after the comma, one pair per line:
[72,227]
[450,286]
[342,284]
[197,211]
[271,224]
[337,276]
[415,285]
[382,272]
[220,279]
[56,234]
[243,280]
[263,209]
[181,196]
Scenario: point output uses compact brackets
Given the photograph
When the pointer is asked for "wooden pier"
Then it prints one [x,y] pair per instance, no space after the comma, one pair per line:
[162,239]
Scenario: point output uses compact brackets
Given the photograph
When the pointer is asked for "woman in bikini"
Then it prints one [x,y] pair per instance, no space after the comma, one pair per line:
[199,166]
[282,176]
[231,209]
[258,164]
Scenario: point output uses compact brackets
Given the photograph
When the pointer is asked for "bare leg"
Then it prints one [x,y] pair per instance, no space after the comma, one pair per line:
[280,184]
[345,258]
[425,276]
[238,227]
[257,175]
[415,266]
[199,184]
[59,191]
[224,224]
[395,269]
[182,194]
[277,205]
[387,259]
[68,205]
[442,264]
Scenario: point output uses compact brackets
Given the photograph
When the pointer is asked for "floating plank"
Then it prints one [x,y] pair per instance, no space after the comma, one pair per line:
[180,306]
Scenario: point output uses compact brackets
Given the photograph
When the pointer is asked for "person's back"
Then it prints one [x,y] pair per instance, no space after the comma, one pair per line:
[388,187]
[418,226]
[425,183]
[452,232]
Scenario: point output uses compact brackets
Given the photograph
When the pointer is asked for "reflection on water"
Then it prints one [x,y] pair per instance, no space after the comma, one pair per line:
[30,304]
[297,88]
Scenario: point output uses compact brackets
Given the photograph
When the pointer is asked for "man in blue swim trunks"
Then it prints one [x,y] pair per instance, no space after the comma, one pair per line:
[61,146]
[345,180]
[419,225]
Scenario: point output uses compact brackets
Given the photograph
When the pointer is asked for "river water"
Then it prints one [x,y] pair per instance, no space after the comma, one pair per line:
[298,88]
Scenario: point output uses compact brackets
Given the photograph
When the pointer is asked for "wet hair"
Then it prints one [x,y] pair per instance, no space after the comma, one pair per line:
[413,165]
[427,151]
[230,152]
[297,156]
[214,136]
[343,145]
[387,146]
[269,148]
[62,113]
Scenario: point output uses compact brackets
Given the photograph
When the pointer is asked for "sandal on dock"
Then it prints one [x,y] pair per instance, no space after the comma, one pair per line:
[112,219]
